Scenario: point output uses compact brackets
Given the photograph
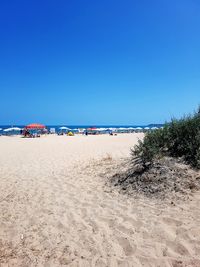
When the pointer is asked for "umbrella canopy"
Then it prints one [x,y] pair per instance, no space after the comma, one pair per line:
[81,130]
[101,129]
[121,129]
[154,128]
[112,129]
[75,130]
[138,128]
[92,129]
[146,128]
[64,128]
[35,126]
[12,129]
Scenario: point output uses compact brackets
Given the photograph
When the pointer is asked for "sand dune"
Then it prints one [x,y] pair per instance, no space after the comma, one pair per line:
[57,211]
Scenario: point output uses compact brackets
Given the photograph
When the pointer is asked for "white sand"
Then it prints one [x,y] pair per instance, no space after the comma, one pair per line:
[54,212]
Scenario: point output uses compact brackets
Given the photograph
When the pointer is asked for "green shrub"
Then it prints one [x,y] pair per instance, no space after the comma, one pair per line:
[179,138]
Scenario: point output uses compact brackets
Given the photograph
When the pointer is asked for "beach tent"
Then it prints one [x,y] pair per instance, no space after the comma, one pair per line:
[35,126]
[52,130]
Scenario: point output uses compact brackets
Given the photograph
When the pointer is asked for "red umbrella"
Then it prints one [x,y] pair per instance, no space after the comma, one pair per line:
[92,129]
[35,126]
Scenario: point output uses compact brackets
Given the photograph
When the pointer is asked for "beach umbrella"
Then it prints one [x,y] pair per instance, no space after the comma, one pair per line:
[146,128]
[7,130]
[12,129]
[139,129]
[74,130]
[92,129]
[64,128]
[101,129]
[81,130]
[35,126]
[154,128]
[16,129]
[112,129]
[131,129]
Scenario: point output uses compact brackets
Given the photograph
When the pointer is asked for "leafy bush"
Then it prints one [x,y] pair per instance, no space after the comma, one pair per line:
[179,138]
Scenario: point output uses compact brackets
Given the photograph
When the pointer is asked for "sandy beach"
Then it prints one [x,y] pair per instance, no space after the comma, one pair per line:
[56,210]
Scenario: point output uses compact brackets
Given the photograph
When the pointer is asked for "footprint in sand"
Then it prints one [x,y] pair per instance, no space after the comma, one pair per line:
[177,249]
[126,246]
[171,221]
[125,230]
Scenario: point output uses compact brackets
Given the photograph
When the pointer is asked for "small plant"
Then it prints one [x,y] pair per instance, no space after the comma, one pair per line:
[108,157]
[179,138]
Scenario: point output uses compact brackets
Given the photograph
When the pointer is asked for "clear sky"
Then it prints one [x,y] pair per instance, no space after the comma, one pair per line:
[98,61]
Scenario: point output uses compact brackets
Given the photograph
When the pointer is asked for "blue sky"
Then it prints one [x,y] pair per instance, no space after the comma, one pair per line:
[98,62]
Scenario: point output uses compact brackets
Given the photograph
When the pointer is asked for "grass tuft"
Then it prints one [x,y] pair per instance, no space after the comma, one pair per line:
[179,138]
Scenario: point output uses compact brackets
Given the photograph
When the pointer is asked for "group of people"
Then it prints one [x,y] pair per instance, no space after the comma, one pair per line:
[28,134]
